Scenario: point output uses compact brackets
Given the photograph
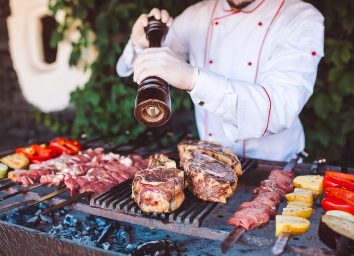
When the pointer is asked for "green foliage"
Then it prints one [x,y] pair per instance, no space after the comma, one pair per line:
[105,104]
[329,115]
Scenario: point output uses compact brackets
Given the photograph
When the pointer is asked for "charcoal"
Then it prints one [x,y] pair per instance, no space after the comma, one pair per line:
[42,206]
[106,245]
[105,233]
[101,222]
[69,220]
[33,220]
[156,248]
[122,237]
[45,218]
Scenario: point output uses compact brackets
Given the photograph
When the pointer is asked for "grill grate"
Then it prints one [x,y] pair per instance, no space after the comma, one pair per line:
[192,212]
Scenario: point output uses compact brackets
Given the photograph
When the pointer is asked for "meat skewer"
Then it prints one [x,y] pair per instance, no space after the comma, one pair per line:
[257,213]
[101,179]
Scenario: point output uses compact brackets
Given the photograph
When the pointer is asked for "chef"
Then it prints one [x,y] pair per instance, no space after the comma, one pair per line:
[248,65]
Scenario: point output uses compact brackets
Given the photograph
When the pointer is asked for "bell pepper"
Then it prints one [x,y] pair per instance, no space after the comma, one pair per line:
[337,179]
[63,145]
[331,203]
[340,193]
[38,153]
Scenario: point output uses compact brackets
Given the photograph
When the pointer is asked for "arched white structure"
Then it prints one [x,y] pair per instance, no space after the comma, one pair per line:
[46,86]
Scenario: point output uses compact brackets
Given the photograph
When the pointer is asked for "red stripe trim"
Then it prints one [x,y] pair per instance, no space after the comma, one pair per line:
[264,38]
[258,60]
[269,110]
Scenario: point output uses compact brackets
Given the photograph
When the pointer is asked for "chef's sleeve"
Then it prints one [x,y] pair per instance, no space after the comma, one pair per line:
[284,84]
[176,39]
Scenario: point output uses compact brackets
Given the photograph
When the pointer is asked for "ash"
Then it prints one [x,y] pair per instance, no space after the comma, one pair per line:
[31,216]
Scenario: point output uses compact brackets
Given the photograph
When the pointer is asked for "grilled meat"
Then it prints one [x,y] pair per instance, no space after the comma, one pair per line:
[214,150]
[161,160]
[266,198]
[159,188]
[208,178]
[110,172]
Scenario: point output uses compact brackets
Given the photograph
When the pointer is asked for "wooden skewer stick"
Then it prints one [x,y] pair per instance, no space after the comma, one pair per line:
[7,186]
[280,244]
[21,191]
[232,238]
[66,202]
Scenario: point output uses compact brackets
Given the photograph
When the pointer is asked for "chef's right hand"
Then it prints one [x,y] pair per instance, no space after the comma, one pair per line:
[138,36]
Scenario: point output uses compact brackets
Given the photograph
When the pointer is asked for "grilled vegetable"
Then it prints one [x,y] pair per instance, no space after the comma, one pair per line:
[38,153]
[314,192]
[302,196]
[15,161]
[341,215]
[3,170]
[337,179]
[298,204]
[63,145]
[294,225]
[340,193]
[330,203]
[304,212]
[313,182]
[337,233]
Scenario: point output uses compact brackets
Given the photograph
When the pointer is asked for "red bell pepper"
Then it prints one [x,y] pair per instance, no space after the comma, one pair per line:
[38,153]
[330,203]
[63,145]
[340,193]
[337,179]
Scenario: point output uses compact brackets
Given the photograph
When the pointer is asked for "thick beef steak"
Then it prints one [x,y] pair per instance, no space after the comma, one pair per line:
[159,188]
[208,178]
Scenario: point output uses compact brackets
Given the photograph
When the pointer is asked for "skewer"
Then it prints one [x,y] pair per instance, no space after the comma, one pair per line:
[7,186]
[283,239]
[66,202]
[280,244]
[237,232]
[21,191]
[232,238]
[32,202]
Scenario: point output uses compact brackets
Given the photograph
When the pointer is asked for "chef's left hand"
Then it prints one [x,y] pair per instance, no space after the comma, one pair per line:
[164,63]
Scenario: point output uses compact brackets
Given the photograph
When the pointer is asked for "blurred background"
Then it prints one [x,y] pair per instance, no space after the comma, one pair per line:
[57,75]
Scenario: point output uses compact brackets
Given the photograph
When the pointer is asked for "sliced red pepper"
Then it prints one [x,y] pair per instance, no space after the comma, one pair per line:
[63,145]
[38,153]
[329,182]
[338,179]
[340,193]
[340,175]
[330,203]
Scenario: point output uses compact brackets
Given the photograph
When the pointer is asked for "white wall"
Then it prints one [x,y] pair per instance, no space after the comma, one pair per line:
[46,86]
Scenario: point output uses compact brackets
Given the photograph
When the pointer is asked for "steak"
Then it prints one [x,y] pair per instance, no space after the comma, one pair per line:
[160,187]
[212,149]
[209,179]
[161,160]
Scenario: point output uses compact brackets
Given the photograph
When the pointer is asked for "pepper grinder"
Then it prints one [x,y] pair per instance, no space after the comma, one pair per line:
[153,101]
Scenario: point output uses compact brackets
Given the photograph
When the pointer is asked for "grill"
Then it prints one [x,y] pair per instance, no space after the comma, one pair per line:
[192,212]
[194,218]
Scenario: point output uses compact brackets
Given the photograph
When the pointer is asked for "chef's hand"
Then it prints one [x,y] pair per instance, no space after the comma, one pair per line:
[138,36]
[164,63]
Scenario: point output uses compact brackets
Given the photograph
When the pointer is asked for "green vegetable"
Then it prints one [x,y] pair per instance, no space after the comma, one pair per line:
[3,171]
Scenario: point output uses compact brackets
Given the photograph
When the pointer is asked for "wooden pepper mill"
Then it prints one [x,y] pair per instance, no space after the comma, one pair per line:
[153,101]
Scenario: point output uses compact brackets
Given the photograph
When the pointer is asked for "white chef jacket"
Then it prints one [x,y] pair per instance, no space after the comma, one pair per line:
[257,69]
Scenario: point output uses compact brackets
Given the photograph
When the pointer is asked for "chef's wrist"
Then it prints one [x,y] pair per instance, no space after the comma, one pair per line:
[194,79]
